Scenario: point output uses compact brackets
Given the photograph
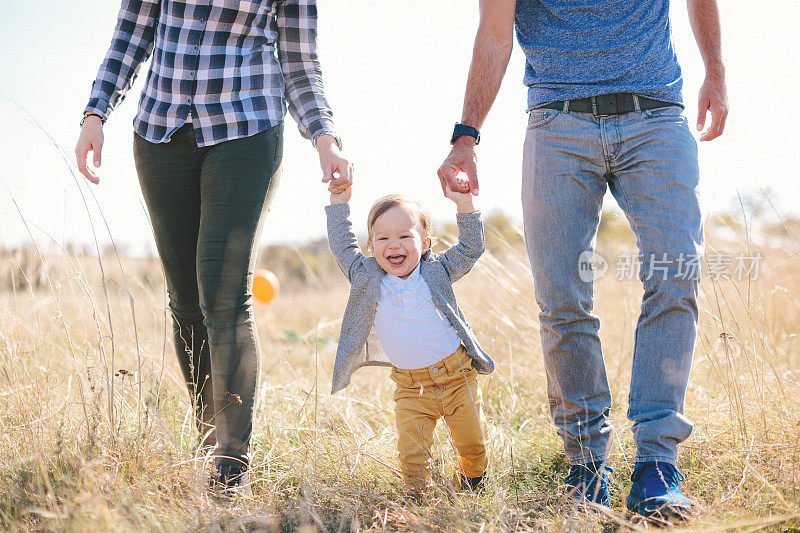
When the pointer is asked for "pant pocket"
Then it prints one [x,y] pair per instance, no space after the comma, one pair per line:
[541,116]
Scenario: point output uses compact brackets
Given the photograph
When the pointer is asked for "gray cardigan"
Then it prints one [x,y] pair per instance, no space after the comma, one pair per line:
[358,344]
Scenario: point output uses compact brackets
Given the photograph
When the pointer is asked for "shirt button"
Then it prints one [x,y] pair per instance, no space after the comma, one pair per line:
[435,370]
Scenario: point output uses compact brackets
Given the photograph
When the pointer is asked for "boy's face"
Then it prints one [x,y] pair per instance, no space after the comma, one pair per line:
[397,241]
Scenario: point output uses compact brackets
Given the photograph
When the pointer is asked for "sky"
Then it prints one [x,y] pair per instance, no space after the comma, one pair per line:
[395,76]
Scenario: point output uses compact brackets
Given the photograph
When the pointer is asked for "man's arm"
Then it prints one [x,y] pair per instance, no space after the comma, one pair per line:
[490,54]
[704,17]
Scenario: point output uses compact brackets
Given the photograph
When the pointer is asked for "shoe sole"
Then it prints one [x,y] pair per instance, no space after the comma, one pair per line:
[665,513]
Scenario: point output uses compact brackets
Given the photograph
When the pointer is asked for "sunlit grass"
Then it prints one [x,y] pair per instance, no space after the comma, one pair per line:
[95,421]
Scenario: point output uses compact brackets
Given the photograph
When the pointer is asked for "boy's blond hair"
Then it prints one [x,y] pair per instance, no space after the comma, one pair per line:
[384,203]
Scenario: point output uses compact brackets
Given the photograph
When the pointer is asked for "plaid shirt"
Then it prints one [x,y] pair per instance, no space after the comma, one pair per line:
[216,59]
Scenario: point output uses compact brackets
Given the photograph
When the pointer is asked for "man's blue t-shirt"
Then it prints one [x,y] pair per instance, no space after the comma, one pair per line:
[580,48]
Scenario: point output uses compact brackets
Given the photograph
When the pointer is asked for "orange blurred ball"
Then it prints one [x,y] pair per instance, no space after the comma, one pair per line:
[265,286]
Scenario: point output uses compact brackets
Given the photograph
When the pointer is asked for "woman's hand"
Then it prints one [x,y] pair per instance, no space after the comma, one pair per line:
[90,140]
[336,169]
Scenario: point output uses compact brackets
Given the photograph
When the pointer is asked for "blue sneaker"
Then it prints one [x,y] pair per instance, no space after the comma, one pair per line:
[655,491]
[589,483]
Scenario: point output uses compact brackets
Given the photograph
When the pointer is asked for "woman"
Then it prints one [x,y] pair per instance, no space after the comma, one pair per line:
[207,148]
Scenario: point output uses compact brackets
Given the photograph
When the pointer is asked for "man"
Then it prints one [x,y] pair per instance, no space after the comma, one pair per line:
[605,109]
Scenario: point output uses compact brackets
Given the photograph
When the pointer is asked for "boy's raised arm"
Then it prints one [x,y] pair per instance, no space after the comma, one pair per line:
[459,258]
[342,241]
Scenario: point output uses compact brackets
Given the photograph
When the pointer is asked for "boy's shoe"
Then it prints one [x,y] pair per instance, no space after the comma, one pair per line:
[589,483]
[418,494]
[229,479]
[655,491]
[475,484]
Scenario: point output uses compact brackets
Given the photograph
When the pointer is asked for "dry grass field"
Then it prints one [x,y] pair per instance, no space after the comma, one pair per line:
[95,422]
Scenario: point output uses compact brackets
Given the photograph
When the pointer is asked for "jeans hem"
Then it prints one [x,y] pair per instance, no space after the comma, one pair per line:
[236,457]
[660,458]
[587,458]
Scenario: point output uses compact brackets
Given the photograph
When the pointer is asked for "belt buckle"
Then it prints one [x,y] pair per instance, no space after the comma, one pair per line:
[610,101]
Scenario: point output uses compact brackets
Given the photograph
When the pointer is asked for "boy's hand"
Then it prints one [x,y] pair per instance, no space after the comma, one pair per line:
[463,200]
[340,194]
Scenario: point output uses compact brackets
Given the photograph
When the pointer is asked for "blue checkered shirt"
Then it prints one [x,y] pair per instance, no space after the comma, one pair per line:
[233,65]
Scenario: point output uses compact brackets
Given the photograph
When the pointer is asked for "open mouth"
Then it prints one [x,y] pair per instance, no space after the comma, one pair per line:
[395,260]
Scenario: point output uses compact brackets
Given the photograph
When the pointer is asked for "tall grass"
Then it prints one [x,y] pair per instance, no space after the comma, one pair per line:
[98,435]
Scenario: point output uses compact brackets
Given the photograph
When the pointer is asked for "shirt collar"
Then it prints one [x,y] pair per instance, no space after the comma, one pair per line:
[399,282]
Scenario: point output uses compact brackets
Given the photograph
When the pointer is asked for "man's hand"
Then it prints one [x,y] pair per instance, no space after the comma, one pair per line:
[463,200]
[336,169]
[462,158]
[704,17]
[90,140]
[713,97]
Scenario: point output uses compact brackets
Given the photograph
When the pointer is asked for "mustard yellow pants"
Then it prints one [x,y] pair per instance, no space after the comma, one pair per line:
[448,389]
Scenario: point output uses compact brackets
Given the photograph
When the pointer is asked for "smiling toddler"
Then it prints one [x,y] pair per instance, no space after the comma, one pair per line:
[402,313]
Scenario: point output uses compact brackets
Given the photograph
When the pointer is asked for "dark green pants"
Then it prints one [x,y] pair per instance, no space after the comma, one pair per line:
[206,206]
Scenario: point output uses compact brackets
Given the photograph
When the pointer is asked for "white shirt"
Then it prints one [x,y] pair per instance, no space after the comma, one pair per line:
[413,333]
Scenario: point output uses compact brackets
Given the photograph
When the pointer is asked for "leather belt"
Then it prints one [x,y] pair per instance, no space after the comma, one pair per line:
[608,104]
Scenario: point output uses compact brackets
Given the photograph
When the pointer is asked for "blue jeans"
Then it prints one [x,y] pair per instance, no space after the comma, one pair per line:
[648,160]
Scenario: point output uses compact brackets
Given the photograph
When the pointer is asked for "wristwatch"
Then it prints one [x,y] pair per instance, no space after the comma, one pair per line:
[461,129]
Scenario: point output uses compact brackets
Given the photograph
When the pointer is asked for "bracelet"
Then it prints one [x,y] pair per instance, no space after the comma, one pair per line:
[102,120]
[335,137]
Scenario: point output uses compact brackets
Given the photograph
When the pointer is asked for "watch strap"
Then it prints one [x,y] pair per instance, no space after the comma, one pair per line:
[462,129]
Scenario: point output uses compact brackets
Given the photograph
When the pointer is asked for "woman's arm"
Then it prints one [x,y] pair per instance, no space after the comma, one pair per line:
[131,45]
[297,52]
[305,96]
